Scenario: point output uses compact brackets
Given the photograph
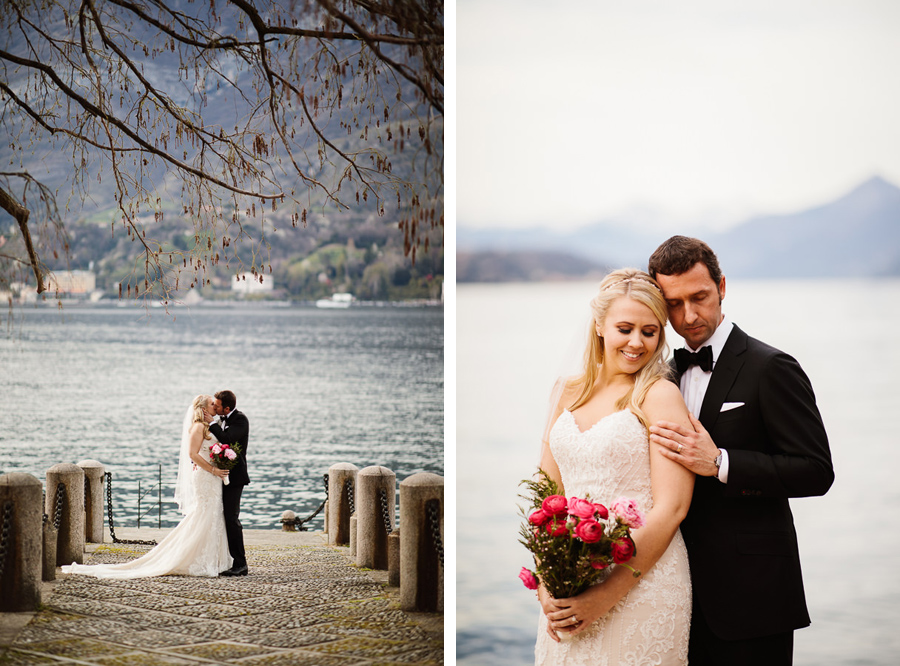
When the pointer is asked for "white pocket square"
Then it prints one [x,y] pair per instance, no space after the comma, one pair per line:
[728,406]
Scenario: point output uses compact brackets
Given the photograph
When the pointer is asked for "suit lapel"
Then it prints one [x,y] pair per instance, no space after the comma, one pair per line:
[726,371]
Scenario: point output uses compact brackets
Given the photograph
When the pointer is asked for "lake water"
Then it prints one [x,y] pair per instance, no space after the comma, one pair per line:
[362,385]
[511,340]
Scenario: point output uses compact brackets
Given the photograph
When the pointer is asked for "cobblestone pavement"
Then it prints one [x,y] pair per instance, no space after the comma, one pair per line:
[301,604]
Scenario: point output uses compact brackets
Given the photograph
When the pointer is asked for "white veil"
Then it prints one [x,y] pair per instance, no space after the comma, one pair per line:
[184,484]
[569,367]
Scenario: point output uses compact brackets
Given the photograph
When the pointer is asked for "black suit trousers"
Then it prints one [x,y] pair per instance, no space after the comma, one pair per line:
[707,649]
[231,506]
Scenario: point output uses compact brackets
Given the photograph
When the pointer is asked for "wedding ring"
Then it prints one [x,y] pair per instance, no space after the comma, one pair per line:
[680,446]
[574,620]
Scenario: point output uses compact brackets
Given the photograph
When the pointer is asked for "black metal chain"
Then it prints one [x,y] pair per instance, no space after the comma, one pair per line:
[432,511]
[109,511]
[5,530]
[385,514]
[298,522]
[349,492]
[60,502]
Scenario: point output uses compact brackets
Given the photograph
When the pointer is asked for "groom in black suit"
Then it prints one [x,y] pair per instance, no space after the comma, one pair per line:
[233,428]
[759,440]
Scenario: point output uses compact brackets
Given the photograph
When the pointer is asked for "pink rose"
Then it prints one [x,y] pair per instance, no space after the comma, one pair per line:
[601,511]
[622,550]
[528,579]
[557,527]
[215,448]
[554,505]
[538,517]
[581,508]
[589,531]
[627,511]
[230,454]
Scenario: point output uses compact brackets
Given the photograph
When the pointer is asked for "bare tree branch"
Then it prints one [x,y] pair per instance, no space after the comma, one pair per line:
[20,213]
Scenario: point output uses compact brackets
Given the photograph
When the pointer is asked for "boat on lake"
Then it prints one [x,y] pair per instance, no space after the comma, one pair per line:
[339,300]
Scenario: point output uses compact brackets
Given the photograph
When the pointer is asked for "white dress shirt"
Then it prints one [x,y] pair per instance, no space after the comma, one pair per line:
[695,381]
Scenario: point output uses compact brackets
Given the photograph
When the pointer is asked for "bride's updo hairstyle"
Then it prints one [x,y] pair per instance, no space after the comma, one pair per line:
[640,287]
[200,403]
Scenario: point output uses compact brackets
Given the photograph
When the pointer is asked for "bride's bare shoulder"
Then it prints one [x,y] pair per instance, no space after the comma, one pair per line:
[664,401]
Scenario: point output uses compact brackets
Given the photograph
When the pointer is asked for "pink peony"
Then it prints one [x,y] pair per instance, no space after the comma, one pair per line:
[230,454]
[528,579]
[601,511]
[557,527]
[215,448]
[622,550]
[554,505]
[581,508]
[538,517]
[627,511]
[589,531]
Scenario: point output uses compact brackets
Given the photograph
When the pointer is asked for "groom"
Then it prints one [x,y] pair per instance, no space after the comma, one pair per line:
[759,441]
[233,428]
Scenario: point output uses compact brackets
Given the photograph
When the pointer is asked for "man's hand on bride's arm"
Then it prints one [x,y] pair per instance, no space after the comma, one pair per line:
[693,449]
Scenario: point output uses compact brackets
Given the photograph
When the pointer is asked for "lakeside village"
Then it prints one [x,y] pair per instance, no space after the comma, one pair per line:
[79,288]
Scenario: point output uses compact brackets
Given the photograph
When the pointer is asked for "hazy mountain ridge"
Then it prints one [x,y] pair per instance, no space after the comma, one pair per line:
[857,235]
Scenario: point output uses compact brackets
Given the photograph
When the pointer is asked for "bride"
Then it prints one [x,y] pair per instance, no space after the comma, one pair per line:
[597,446]
[197,546]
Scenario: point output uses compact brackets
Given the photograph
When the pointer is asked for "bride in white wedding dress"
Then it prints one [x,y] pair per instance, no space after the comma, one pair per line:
[597,446]
[198,545]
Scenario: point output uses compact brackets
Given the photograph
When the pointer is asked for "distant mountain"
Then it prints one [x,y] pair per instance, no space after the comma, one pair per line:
[858,235]
[525,266]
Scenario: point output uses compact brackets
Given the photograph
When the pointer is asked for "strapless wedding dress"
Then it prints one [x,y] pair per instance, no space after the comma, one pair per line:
[196,547]
[651,624]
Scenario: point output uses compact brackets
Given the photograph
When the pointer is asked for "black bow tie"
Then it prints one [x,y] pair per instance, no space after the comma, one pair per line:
[685,359]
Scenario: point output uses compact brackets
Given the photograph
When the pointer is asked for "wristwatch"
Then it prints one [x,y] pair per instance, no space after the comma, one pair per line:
[718,461]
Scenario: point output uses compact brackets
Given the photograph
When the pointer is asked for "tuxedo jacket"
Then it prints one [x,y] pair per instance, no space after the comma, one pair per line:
[740,536]
[237,432]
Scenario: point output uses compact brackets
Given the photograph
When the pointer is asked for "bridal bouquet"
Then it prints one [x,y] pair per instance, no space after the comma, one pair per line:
[224,456]
[573,540]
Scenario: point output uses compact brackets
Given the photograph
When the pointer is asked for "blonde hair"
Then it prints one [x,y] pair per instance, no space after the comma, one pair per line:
[640,287]
[197,416]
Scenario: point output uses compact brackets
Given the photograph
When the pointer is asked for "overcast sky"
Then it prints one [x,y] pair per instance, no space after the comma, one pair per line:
[701,110]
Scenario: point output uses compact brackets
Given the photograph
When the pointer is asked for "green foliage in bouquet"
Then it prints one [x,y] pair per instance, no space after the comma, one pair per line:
[573,541]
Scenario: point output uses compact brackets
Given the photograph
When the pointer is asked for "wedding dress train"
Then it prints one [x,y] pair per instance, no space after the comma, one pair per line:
[196,547]
[651,624]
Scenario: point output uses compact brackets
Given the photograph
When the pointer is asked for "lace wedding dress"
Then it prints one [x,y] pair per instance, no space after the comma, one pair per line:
[196,547]
[651,624]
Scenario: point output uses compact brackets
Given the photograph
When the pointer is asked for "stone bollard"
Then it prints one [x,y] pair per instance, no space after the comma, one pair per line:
[48,568]
[287,521]
[353,536]
[371,533]
[394,557]
[421,570]
[94,475]
[70,545]
[338,509]
[20,580]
